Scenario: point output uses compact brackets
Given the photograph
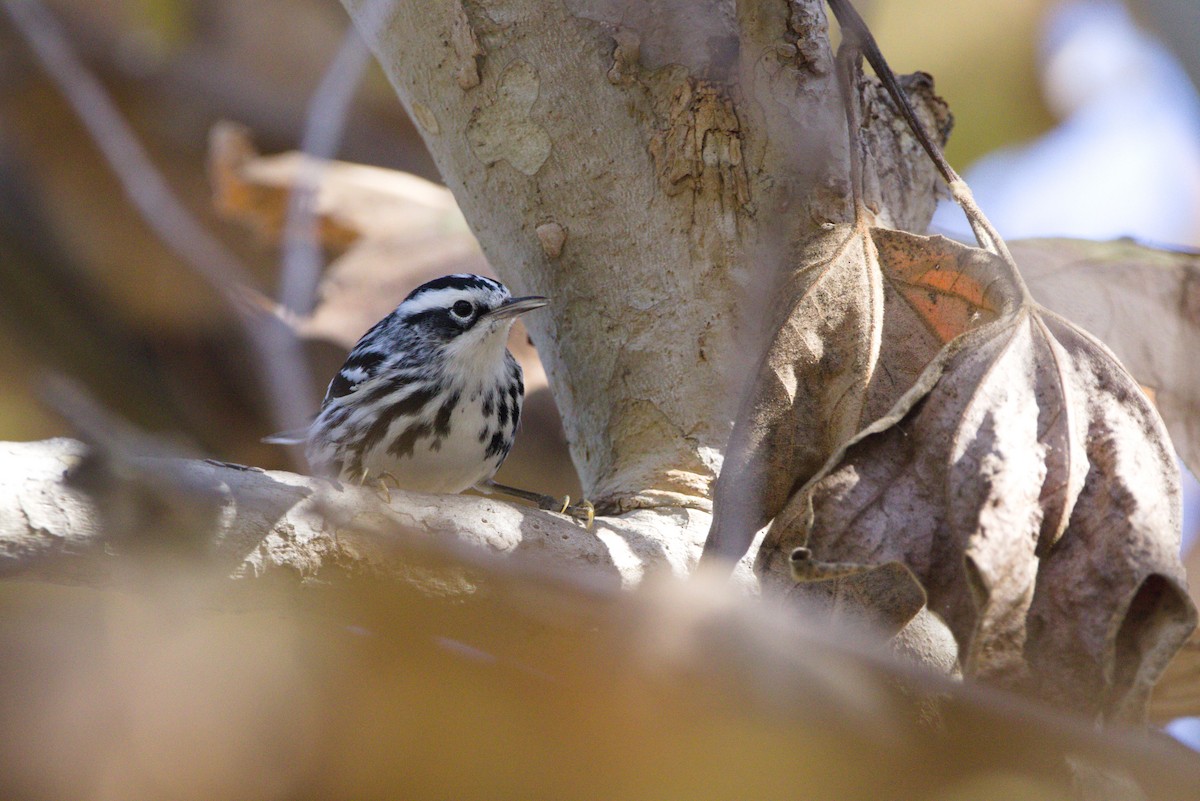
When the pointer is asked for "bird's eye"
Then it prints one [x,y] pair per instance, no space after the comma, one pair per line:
[462,308]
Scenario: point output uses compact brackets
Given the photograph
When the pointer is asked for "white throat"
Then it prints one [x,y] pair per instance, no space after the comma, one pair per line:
[479,353]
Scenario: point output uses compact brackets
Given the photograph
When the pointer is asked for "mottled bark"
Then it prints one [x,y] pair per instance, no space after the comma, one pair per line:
[649,168]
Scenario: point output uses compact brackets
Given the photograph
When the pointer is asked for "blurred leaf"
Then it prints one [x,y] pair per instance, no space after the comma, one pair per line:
[1142,302]
[353,200]
[1177,695]
[393,231]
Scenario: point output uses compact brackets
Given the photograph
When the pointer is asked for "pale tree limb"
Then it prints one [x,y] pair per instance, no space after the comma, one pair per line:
[652,168]
[257,522]
[253,524]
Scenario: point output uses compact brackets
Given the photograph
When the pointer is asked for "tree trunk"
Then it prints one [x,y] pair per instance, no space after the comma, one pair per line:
[650,167]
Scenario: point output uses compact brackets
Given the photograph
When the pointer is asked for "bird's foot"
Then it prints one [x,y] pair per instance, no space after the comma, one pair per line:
[379,483]
[583,511]
[382,483]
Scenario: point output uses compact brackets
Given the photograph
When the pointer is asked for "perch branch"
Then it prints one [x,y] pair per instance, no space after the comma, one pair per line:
[255,522]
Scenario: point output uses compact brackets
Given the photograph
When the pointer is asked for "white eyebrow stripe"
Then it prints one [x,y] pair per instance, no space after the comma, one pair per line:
[443,298]
[433,299]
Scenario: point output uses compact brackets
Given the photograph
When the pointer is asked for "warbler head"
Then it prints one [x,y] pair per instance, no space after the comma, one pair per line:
[466,316]
[452,306]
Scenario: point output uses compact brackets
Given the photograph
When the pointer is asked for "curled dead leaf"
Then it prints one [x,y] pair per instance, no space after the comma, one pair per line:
[391,231]
[1032,490]
[856,324]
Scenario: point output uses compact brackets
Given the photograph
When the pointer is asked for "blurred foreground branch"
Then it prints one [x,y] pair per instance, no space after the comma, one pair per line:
[173,682]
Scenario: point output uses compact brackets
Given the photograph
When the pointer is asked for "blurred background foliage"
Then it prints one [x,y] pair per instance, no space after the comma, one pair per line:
[76,254]
[88,288]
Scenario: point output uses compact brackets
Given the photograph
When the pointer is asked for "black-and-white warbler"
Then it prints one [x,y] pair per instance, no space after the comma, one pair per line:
[430,397]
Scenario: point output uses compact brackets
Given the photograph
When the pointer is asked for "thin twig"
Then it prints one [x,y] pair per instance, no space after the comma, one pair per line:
[282,372]
[848,68]
[855,30]
[323,129]
[324,126]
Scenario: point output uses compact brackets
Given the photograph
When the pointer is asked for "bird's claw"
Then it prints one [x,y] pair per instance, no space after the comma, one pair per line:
[380,484]
[583,511]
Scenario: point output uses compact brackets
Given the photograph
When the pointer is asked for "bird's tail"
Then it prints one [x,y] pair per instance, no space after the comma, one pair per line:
[297,436]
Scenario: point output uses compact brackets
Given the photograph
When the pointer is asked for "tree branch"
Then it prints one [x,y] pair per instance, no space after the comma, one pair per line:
[253,523]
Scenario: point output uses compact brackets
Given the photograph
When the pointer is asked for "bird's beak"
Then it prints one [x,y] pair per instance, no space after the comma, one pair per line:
[517,306]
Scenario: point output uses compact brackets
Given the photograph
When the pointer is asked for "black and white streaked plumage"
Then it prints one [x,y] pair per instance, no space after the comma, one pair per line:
[430,396]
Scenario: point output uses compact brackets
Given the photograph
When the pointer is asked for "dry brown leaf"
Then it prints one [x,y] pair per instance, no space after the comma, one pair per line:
[1142,302]
[397,231]
[1022,479]
[352,200]
[860,319]
[1031,488]
[393,231]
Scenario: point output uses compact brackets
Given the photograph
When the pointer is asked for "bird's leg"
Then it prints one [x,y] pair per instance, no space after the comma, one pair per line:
[583,511]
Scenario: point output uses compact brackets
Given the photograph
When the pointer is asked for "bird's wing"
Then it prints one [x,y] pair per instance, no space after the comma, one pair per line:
[361,366]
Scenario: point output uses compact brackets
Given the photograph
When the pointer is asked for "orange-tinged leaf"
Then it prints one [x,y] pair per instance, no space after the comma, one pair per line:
[935,277]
